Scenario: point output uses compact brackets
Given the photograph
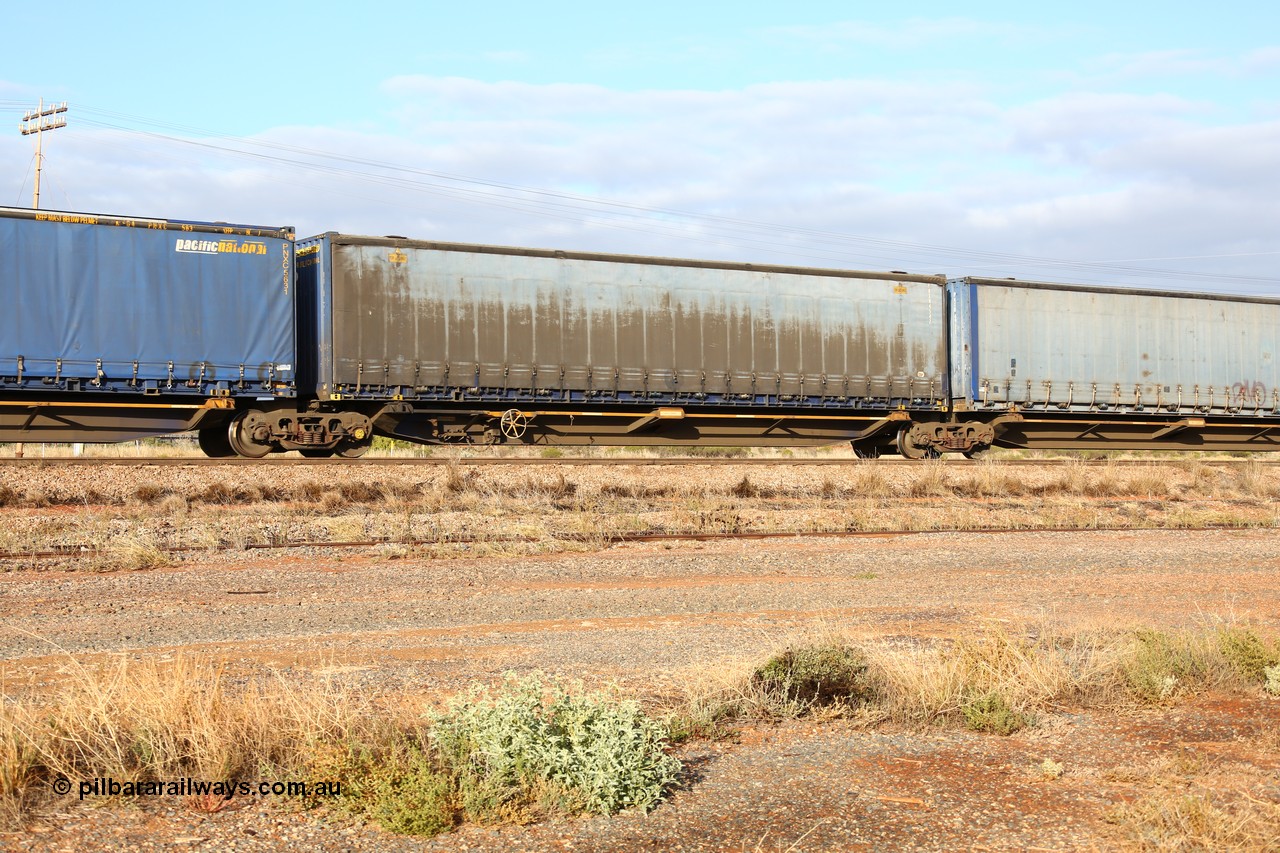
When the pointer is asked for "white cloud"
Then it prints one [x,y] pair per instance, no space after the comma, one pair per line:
[1164,66]
[1265,60]
[1082,176]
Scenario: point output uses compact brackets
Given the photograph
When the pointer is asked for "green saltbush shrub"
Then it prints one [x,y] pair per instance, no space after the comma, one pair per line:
[535,746]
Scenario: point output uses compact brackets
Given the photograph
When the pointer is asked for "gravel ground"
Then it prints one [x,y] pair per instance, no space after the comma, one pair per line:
[654,617]
[805,787]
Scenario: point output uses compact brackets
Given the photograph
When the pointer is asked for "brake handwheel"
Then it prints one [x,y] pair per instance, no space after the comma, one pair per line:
[514,424]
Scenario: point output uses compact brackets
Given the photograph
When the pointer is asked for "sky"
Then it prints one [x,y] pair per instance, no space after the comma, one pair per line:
[1120,144]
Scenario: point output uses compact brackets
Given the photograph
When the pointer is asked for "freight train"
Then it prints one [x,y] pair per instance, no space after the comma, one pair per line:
[114,328]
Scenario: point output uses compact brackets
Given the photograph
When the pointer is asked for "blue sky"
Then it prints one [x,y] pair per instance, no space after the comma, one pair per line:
[1132,145]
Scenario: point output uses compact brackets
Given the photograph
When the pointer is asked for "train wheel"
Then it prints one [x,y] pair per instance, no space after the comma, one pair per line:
[910,450]
[354,451]
[242,435]
[213,441]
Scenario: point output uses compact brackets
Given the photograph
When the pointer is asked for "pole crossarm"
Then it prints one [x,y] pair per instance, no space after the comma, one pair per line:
[36,122]
[43,118]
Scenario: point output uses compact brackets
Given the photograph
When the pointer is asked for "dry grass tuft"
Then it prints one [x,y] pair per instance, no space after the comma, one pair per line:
[1251,480]
[1147,483]
[992,681]
[636,491]
[332,501]
[357,492]
[150,493]
[510,754]
[744,488]
[555,488]
[1172,820]
[871,481]
[273,492]
[996,680]
[458,481]
[309,491]
[932,481]
[133,552]
[990,480]
[155,720]
[225,495]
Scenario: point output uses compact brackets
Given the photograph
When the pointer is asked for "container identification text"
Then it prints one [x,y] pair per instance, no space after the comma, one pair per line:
[220,247]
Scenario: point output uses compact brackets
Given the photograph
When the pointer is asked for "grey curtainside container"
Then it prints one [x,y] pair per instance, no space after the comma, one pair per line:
[126,305]
[1037,345]
[451,322]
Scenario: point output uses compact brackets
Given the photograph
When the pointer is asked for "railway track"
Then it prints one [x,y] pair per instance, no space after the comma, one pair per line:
[481,461]
[86,550]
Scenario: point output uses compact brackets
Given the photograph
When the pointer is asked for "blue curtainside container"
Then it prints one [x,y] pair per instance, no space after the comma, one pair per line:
[1071,348]
[121,306]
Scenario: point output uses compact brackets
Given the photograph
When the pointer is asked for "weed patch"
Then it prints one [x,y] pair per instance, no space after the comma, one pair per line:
[744,488]
[1272,682]
[1163,665]
[526,749]
[991,712]
[534,746]
[1247,653]
[994,681]
[818,674]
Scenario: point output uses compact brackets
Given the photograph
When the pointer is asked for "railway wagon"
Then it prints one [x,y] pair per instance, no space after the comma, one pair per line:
[119,327]
[442,342]
[1074,366]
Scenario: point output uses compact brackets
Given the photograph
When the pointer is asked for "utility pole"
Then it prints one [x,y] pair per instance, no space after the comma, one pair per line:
[37,121]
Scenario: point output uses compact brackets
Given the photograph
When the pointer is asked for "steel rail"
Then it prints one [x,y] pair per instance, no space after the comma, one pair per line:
[429,461]
[620,538]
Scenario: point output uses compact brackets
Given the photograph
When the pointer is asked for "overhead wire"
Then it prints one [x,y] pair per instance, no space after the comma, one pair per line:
[715,229]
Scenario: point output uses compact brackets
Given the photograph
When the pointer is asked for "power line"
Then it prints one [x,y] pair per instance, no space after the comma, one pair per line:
[710,228]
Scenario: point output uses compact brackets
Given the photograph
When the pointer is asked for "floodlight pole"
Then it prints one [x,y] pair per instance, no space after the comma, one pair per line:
[37,121]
